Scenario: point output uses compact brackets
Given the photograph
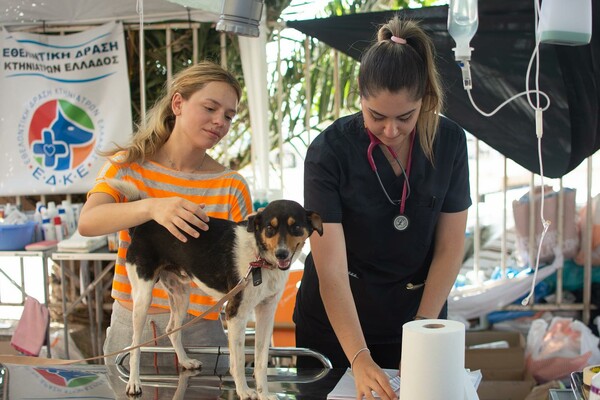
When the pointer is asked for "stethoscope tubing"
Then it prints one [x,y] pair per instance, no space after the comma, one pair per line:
[374,141]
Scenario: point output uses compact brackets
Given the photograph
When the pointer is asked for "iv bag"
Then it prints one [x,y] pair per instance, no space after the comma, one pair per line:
[462,25]
[565,22]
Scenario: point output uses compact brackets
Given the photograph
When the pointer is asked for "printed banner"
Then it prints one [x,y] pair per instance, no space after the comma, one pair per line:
[62,98]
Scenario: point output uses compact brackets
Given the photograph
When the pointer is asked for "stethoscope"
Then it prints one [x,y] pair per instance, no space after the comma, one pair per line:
[400,221]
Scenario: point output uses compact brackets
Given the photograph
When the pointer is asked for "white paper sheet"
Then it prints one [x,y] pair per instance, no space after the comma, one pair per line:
[345,388]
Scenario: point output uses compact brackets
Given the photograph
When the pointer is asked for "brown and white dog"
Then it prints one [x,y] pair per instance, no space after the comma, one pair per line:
[216,262]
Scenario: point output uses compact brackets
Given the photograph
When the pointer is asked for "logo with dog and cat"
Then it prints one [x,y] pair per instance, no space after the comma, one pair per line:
[67,378]
[57,142]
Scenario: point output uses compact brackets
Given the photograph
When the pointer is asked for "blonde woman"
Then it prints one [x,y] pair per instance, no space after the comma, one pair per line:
[167,160]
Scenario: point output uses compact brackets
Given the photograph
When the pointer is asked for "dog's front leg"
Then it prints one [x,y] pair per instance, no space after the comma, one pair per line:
[236,335]
[265,314]
[142,297]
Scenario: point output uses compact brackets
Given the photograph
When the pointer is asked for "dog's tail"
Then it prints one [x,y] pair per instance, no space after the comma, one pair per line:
[126,188]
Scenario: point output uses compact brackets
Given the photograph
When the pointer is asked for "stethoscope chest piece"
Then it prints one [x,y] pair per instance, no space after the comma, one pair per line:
[401,222]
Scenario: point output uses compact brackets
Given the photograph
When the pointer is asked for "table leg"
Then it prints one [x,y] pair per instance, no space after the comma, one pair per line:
[64,307]
[84,278]
[99,307]
[46,302]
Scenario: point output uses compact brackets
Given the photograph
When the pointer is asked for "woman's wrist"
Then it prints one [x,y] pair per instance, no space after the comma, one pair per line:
[364,349]
[417,317]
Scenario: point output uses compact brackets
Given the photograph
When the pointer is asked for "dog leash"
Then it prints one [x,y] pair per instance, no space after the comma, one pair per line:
[24,360]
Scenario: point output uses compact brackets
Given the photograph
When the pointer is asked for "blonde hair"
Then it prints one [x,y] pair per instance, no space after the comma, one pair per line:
[392,66]
[160,119]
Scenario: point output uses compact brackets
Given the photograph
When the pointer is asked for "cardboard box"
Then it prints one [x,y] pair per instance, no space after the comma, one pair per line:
[7,349]
[495,360]
[505,390]
[503,369]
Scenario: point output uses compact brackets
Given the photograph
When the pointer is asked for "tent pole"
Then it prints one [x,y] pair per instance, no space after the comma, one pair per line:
[307,86]
[532,237]
[477,228]
[169,41]
[587,246]
[279,110]
[140,10]
[503,244]
[336,84]
[223,48]
[195,45]
[560,239]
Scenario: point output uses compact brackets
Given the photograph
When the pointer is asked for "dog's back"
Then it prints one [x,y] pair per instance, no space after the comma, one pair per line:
[154,248]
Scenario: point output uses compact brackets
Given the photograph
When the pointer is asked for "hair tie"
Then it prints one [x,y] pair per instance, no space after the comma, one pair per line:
[398,40]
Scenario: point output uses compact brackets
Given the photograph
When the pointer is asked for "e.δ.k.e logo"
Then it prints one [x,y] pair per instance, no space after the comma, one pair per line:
[61,135]
[66,378]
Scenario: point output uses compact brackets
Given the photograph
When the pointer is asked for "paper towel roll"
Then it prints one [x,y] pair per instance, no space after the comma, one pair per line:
[433,360]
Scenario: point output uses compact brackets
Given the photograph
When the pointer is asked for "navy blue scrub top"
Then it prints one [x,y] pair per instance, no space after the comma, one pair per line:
[340,185]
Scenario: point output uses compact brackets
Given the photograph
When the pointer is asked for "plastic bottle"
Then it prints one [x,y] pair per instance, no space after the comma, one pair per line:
[76,211]
[37,218]
[62,213]
[462,25]
[565,22]
[52,211]
[58,228]
[260,200]
[8,209]
[595,388]
[70,216]
[48,229]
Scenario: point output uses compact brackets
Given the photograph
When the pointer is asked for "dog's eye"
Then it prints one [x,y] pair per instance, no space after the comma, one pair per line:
[270,231]
[296,230]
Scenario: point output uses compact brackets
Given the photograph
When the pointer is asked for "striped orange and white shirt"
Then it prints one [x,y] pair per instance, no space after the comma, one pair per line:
[226,195]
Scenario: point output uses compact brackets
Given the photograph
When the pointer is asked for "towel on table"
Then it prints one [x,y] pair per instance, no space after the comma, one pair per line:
[81,244]
[30,333]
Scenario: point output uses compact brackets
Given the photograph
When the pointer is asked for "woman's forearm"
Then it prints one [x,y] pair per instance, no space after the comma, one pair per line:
[104,218]
[330,261]
[446,263]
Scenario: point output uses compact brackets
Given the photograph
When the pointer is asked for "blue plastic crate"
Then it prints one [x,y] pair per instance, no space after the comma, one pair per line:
[16,237]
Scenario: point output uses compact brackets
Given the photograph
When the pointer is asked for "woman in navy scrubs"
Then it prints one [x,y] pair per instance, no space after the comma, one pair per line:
[392,186]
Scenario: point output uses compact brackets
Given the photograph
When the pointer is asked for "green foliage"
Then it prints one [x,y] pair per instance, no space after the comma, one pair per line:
[319,101]
[289,100]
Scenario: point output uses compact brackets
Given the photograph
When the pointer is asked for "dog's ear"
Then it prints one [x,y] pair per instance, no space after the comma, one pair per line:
[315,221]
[253,222]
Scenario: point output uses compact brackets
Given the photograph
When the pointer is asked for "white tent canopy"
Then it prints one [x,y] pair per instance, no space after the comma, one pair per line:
[17,14]
[82,12]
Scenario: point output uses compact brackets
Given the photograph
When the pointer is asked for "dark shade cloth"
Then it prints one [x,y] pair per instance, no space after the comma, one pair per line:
[503,44]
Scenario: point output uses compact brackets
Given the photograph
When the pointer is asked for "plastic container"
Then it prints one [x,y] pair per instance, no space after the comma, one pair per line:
[565,22]
[463,21]
[595,388]
[48,229]
[16,237]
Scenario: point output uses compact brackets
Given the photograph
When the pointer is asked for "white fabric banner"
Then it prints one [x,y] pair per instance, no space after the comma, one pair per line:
[62,98]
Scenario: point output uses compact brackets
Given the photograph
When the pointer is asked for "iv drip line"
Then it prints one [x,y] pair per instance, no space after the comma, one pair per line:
[464,64]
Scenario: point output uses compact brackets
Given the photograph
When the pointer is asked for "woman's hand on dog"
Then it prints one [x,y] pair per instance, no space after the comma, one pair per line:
[180,216]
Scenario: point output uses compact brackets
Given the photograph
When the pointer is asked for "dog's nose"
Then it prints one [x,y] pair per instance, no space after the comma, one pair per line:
[282,254]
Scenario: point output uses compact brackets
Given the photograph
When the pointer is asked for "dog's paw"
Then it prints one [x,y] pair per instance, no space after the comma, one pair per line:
[267,396]
[134,388]
[190,363]
[247,394]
